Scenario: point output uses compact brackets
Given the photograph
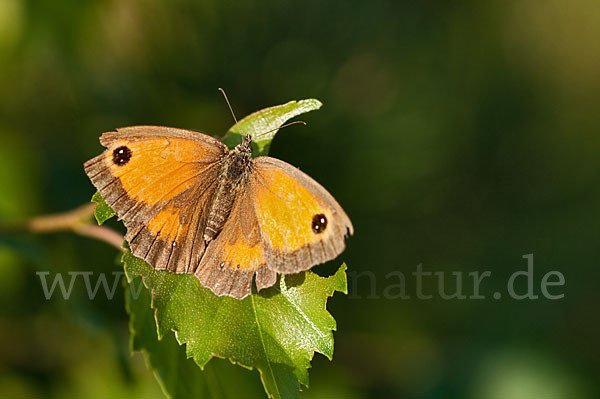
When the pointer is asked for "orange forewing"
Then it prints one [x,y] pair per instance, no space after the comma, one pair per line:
[161,190]
[159,169]
[286,201]
[285,209]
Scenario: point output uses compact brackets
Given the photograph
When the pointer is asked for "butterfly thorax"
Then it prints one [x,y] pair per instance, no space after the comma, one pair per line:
[233,173]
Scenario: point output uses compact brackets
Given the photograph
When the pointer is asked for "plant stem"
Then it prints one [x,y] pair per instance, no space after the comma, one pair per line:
[77,220]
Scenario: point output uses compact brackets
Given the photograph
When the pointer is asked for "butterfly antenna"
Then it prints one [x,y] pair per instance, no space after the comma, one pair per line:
[229,105]
[280,127]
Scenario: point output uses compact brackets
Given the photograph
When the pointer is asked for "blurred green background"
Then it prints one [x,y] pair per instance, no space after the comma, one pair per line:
[459,136]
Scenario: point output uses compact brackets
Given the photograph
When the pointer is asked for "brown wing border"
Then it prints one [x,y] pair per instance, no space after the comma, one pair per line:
[143,131]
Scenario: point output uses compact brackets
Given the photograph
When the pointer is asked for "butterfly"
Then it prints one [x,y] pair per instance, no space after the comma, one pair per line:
[190,205]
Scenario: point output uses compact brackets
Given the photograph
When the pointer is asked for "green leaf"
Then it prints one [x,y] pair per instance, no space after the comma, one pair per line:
[102,212]
[276,331]
[173,317]
[267,120]
[178,375]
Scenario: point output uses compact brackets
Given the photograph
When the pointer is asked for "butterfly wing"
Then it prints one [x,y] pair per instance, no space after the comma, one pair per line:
[236,255]
[270,230]
[301,224]
[159,181]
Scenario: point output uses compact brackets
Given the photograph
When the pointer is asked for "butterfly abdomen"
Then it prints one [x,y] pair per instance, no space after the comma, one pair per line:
[233,173]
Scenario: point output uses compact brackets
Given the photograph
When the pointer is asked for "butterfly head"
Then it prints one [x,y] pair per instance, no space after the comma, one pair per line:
[246,145]
[241,155]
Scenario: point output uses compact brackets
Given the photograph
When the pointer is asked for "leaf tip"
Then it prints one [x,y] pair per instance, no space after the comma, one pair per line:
[103,211]
[311,103]
[341,278]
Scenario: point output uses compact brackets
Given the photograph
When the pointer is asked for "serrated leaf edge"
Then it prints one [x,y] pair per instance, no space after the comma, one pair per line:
[329,293]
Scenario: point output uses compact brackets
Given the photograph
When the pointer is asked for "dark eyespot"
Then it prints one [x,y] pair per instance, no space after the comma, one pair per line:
[121,155]
[319,223]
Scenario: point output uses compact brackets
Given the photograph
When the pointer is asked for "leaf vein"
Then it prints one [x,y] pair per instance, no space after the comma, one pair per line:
[262,341]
